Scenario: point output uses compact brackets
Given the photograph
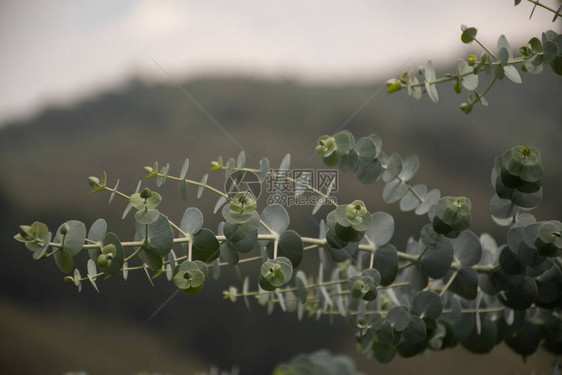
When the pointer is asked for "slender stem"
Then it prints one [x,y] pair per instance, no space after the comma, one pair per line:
[486,49]
[486,91]
[134,254]
[543,6]
[449,283]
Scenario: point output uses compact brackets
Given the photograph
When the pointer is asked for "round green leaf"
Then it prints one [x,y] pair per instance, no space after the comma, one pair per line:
[191,221]
[394,190]
[465,283]
[468,34]
[349,162]
[160,235]
[74,238]
[370,173]
[410,167]
[427,304]
[63,260]
[146,216]
[392,167]
[381,230]
[366,150]
[468,249]
[344,141]
[399,318]
[206,247]
[485,341]
[290,246]
[386,262]
[275,217]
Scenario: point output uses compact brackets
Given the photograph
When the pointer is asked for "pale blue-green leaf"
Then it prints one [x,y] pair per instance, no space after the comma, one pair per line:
[432,92]
[503,208]
[241,160]
[184,169]
[216,269]
[414,90]
[113,192]
[302,181]
[63,260]
[512,74]
[410,201]
[129,206]
[160,235]
[394,190]
[392,167]
[285,163]
[191,221]
[503,43]
[381,230]
[148,276]
[182,188]
[93,282]
[534,64]
[410,167]
[370,173]
[245,290]
[91,267]
[430,76]
[429,200]
[468,249]
[95,234]
[161,179]
[281,300]
[275,217]
[470,81]
[344,141]
[264,169]
[75,237]
[222,200]
[203,185]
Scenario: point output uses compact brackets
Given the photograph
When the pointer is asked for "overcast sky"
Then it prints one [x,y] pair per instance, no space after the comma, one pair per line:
[60,51]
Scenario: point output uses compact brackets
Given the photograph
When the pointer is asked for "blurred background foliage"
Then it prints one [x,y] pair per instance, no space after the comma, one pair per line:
[47,327]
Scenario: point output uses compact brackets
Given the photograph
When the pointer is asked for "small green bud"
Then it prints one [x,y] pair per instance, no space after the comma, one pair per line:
[243,202]
[472,60]
[356,208]
[94,182]
[69,279]
[393,85]
[110,249]
[326,145]
[466,107]
[458,86]
[26,232]
[148,170]
[64,229]
[217,164]
[104,260]
[146,193]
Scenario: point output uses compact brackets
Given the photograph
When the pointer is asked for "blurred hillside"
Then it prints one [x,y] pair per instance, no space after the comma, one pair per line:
[45,162]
